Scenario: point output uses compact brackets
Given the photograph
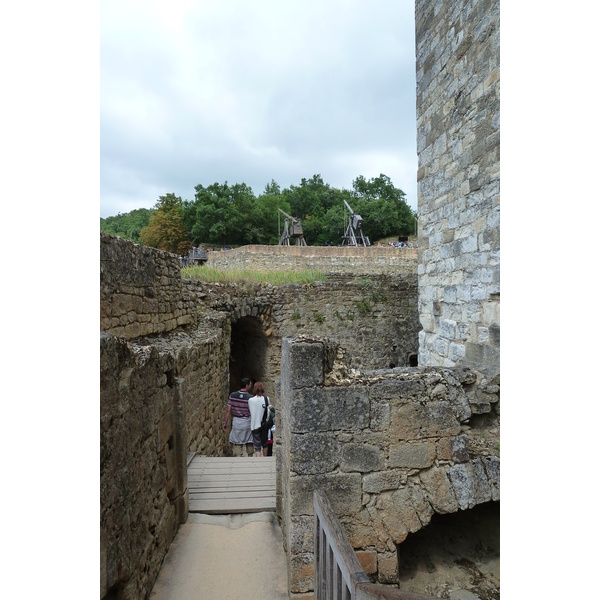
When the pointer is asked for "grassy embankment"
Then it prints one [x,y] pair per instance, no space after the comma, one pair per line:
[212,275]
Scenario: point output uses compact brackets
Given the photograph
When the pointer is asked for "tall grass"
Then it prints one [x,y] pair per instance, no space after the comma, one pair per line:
[209,274]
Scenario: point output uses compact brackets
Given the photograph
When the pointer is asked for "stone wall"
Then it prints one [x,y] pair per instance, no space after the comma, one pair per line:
[331,259]
[165,365]
[141,292]
[373,316]
[163,385]
[458,145]
[143,477]
[389,447]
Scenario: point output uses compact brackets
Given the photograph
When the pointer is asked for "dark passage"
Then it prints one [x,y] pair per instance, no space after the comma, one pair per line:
[248,352]
[458,551]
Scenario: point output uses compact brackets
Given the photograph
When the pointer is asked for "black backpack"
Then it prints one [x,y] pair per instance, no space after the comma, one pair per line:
[268,417]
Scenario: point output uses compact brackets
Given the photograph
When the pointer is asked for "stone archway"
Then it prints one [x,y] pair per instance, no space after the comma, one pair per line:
[249,350]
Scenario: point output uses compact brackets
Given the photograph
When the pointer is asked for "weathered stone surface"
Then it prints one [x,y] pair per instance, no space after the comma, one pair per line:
[367,560]
[302,534]
[440,492]
[360,457]
[387,565]
[312,453]
[329,409]
[470,483]
[380,481]
[420,420]
[492,469]
[143,477]
[458,90]
[367,531]
[343,491]
[302,572]
[416,455]
[386,482]
[306,364]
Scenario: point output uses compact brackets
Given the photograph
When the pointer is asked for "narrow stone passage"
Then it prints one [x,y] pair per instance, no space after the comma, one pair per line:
[227,557]
[231,542]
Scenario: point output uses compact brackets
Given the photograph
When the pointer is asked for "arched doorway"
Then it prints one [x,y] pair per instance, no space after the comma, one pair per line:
[248,356]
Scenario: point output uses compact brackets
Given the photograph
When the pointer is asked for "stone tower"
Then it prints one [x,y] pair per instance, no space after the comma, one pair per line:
[458,145]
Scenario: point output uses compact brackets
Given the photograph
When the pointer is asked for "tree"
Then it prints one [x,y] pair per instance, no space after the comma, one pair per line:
[127,225]
[220,214]
[382,207]
[166,230]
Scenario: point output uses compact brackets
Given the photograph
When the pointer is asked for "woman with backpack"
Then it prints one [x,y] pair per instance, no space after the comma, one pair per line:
[259,410]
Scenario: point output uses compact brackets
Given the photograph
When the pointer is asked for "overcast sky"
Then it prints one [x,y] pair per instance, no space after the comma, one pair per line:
[204,91]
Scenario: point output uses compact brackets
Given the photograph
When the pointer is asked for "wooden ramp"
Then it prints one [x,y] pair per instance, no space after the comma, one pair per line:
[223,485]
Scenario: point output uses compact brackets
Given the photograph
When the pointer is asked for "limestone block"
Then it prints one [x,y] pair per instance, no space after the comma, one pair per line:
[456,352]
[448,327]
[419,455]
[418,420]
[329,409]
[460,449]
[442,346]
[302,572]
[363,458]
[440,492]
[470,484]
[387,567]
[367,560]
[367,531]
[421,505]
[314,452]
[304,363]
[396,516]
[374,483]
[342,489]
[302,534]
[492,469]
[380,414]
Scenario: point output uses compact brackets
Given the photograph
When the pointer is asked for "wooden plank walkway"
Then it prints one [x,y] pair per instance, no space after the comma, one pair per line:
[223,485]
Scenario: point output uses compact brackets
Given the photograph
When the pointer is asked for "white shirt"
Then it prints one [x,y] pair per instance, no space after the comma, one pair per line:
[256,404]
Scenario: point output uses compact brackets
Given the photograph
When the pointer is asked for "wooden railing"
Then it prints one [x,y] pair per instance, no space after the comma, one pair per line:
[338,574]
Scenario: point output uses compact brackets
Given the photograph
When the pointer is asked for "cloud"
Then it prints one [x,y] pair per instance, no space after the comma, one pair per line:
[204,92]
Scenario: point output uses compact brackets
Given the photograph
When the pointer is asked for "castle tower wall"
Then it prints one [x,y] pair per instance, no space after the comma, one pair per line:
[458,145]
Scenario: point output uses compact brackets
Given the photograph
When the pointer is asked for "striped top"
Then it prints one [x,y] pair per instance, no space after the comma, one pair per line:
[238,401]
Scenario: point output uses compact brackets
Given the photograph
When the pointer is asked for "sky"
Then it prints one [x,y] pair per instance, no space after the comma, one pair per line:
[205,91]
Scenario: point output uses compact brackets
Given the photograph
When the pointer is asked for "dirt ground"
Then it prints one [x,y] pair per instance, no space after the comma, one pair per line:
[456,556]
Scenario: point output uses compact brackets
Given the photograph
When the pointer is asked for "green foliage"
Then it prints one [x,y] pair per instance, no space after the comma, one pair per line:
[378,296]
[382,207]
[318,317]
[232,215]
[363,306]
[296,315]
[166,230]
[220,215]
[127,225]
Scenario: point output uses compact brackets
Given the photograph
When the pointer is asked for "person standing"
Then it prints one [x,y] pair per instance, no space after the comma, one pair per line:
[257,405]
[237,406]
